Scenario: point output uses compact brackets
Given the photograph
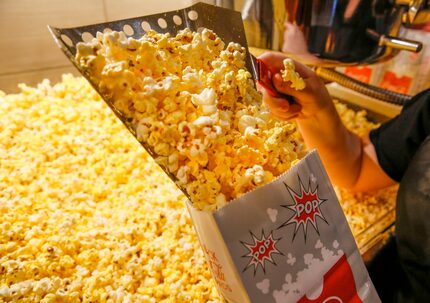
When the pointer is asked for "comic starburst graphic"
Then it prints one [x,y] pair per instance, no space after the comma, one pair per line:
[260,251]
[306,208]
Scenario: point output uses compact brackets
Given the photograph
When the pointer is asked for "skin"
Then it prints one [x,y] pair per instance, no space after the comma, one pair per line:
[350,161]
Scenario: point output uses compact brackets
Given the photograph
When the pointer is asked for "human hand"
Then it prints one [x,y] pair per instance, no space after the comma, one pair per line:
[312,99]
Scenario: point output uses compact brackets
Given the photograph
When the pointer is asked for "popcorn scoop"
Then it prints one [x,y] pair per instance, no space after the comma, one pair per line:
[182,82]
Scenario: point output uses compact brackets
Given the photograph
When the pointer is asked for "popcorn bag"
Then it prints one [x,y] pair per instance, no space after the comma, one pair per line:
[285,241]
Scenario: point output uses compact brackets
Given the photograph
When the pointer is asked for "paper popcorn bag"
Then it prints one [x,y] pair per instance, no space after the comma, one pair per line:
[287,241]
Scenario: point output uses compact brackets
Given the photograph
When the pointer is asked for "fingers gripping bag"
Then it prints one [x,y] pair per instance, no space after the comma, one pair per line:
[264,210]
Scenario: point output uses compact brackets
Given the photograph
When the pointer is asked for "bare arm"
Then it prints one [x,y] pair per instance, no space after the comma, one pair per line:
[350,161]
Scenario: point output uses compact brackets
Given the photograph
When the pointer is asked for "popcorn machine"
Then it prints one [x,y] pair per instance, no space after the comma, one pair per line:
[332,33]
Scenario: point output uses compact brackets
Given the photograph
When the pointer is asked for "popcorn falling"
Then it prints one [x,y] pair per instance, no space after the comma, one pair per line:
[192,101]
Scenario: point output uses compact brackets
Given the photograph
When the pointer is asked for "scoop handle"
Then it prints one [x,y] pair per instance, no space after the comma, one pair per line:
[264,78]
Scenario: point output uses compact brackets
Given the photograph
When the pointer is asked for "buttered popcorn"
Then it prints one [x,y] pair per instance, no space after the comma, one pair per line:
[87,216]
[192,101]
[289,74]
[85,213]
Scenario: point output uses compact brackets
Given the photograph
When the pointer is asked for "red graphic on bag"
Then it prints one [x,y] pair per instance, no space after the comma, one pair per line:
[306,208]
[261,249]
[338,287]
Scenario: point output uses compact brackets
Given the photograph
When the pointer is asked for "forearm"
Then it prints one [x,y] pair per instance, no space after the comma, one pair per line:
[345,155]
[340,150]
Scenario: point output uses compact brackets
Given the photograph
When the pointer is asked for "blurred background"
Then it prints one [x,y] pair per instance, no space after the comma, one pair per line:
[29,53]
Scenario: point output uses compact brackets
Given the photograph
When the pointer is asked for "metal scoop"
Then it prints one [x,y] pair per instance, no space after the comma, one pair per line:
[227,24]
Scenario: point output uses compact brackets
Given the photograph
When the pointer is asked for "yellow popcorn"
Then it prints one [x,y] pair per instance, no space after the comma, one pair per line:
[357,122]
[83,207]
[192,101]
[289,74]
[85,213]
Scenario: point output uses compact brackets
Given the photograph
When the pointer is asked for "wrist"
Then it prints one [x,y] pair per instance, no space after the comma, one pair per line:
[322,127]
[319,113]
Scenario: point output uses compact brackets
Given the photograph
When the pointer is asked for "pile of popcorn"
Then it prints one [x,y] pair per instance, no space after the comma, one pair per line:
[191,101]
[86,215]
